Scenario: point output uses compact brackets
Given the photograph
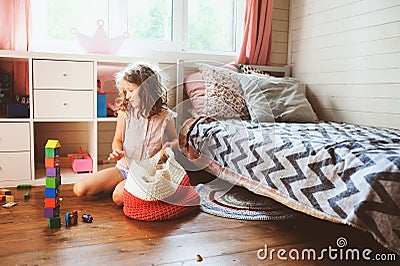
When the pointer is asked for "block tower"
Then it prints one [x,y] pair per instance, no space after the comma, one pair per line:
[53,182]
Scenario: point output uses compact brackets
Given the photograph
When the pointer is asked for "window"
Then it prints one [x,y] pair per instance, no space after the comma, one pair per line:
[151,21]
[162,25]
[212,25]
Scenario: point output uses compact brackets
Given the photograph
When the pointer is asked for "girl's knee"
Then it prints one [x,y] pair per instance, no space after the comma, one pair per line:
[118,192]
[117,197]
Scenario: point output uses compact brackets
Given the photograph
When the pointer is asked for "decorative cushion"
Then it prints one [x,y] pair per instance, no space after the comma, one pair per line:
[224,96]
[276,99]
[246,69]
[195,88]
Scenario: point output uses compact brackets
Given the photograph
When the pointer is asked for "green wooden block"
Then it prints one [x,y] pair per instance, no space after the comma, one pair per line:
[54,222]
[27,195]
[53,182]
[24,186]
[52,153]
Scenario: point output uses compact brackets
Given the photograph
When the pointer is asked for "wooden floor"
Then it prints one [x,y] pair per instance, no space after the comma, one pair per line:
[113,239]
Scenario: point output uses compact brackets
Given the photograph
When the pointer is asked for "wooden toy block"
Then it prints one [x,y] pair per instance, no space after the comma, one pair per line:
[27,195]
[24,186]
[51,192]
[52,171]
[52,148]
[52,162]
[51,153]
[54,222]
[4,191]
[51,202]
[82,163]
[9,198]
[52,212]
[53,182]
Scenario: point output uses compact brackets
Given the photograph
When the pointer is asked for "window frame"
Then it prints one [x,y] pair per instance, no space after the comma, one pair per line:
[178,44]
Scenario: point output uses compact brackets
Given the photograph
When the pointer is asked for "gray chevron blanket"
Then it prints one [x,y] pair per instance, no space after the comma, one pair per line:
[342,173]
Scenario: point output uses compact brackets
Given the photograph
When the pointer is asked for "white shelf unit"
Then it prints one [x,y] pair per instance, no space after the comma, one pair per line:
[63,105]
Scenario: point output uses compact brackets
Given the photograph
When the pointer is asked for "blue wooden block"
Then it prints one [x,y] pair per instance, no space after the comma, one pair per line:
[51,192]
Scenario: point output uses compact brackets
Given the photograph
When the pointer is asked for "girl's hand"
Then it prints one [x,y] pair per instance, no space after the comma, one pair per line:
[171,144]
[116,155]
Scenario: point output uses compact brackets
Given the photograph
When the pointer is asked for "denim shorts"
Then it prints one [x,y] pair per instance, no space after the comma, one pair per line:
[123,173]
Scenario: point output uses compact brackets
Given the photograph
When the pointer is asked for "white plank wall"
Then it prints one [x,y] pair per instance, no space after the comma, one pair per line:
[280,28]
[348,54]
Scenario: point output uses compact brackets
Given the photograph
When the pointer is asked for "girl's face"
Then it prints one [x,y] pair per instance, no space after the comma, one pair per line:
[132,92]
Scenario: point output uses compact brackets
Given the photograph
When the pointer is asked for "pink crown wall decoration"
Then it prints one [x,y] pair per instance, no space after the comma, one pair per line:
[99,43]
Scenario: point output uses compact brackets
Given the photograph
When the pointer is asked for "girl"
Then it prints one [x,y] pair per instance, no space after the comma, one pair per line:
[144,126]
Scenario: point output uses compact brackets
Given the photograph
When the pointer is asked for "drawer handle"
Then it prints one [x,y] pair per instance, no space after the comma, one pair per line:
[65,103]
[64,75]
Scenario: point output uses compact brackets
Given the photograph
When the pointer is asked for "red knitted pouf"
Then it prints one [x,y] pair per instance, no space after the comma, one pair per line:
[153,195]
[182,202]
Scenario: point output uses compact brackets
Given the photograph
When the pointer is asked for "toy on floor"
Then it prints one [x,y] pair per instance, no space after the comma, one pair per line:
[24,186]
[9,204]
[87,218]
[71,218]
[53,182]
[27,195]
[4,191]
[5,196]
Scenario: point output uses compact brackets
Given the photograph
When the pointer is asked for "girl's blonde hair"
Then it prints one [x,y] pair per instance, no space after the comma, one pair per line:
[151,91]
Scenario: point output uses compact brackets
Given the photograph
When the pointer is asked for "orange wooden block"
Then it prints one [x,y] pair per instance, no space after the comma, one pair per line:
[51,202]
[52,162]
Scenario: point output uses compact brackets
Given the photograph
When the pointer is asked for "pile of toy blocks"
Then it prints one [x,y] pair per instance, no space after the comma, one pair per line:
[53,182]
[5,196]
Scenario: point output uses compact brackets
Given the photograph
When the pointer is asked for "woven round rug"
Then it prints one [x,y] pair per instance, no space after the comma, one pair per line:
[240,203]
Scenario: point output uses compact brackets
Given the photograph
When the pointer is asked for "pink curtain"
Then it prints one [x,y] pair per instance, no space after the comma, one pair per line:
[257,36]
[15,23]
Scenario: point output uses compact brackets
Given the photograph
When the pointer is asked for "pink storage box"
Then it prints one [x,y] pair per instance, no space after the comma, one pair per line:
[81,163]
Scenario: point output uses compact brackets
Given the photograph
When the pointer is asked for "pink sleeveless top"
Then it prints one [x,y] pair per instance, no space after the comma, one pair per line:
[143,137]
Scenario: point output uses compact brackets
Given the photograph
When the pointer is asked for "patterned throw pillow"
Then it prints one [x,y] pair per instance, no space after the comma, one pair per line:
[224,95]
[246,69]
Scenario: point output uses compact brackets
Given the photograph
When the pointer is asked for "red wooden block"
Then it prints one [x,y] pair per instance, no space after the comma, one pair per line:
[51,202]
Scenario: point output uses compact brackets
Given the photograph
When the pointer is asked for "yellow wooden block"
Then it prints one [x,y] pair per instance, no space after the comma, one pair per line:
[9,198]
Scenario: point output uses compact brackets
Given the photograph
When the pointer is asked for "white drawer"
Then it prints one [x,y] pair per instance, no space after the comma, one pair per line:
[56,74]
[15,166]
[62,104]
[14,137]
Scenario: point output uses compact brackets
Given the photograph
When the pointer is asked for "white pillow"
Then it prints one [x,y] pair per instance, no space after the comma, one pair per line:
[278,99]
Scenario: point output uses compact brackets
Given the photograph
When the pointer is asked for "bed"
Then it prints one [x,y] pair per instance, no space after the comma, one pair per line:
[265,136]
